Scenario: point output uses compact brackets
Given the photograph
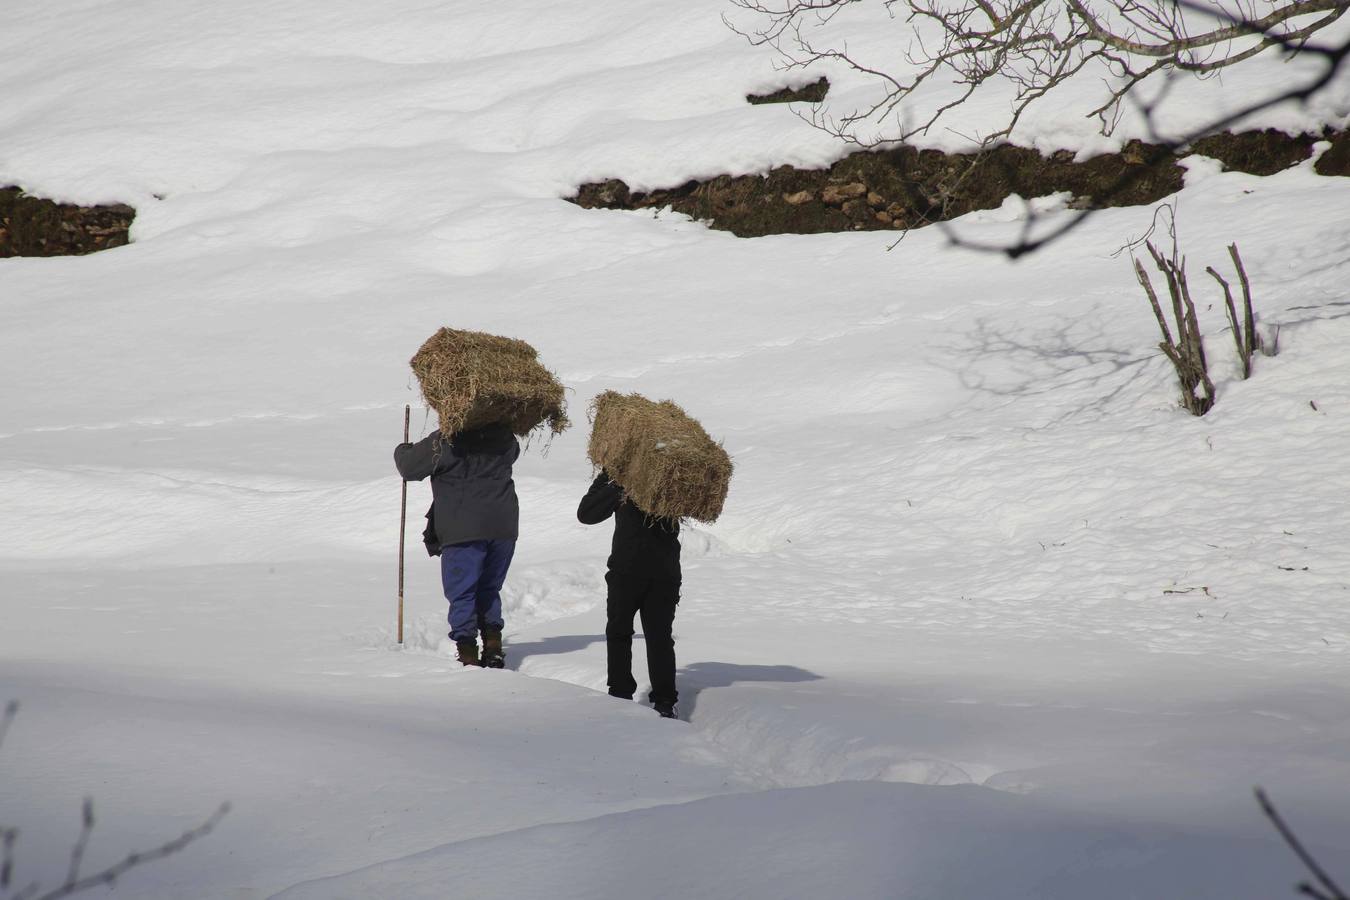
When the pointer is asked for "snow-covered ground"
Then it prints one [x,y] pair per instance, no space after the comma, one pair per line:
[986,615]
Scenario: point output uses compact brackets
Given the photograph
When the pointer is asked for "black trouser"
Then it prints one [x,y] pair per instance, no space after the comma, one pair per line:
[655,600]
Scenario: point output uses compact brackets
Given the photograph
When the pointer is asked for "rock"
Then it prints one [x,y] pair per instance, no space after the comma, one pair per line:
[875,200]
[856,209]
[1336,159]
[612,193]
[836,194]
[884,218]
[798,198]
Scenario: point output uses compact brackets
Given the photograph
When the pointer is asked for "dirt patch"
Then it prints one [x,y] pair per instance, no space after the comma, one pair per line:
[1256,152]
[31,226]
[1335,161]
[810,93]
[909,188]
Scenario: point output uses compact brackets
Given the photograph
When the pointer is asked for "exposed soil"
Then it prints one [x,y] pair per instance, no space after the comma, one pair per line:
[1335,161]
[867,191]
[1256,152]
[810,93]
[31,226]
[909,188]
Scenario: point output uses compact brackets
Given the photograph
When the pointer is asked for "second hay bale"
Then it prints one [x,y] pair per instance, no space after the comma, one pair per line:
[665,461]
[472,379]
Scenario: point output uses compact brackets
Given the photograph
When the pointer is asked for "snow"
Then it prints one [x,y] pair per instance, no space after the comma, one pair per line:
[986,614]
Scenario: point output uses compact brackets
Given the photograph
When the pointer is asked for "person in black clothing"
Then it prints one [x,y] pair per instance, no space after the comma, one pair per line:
[475,519]
[643,578]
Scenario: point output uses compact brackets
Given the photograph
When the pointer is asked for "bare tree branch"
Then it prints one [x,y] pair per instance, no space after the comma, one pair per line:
[1026,49]
[1178,41]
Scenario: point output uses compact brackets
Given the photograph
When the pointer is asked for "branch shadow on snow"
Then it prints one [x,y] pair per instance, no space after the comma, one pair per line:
[1307,320]
[1048,361]
[693,680]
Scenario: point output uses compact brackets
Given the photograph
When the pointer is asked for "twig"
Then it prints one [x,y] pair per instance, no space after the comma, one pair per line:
[1244,331]
[1238,338]
[1253,340]
[1142,275]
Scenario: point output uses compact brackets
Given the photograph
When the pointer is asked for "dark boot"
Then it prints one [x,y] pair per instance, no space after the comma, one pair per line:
[493,657]
[468,652]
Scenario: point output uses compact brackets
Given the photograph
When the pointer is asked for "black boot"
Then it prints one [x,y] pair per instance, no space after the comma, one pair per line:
[468,652]
[493,657]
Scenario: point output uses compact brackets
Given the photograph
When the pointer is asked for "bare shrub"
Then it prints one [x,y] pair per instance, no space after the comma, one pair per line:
[1187,350]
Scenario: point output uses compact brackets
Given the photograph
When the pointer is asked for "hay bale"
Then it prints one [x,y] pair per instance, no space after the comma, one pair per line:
[472,379]
[666,463]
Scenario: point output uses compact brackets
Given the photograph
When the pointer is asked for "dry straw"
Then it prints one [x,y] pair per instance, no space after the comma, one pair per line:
[472,379]
[666,463]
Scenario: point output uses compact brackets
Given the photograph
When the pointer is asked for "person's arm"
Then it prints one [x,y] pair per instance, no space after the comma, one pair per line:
[429,456]
[600,501]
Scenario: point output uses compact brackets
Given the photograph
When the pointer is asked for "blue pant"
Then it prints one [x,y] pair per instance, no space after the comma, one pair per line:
[472,574]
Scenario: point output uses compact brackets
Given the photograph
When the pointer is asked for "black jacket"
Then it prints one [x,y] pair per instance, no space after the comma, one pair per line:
[473,496]
[643,545]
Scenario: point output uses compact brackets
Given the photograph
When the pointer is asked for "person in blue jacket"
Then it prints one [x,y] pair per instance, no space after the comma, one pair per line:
[475,521]
[643,579]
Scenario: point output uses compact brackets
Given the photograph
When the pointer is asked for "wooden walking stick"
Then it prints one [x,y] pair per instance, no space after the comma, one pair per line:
[402,526]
